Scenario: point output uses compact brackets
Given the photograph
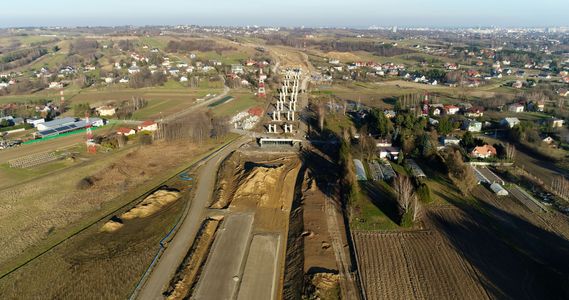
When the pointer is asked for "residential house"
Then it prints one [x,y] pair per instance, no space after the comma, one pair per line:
[237,69]
[472,125]
[125,131]
[35,121]
[555,123]
[389,152]
[174,71]
[450,140]
[474,112]
[133,70]
[451,109]
[563,92]
[516,108]
[548,140]
[484,151]
[148,126]
[509,122]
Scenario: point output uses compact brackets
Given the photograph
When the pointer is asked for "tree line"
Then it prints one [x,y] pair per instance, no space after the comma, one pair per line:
[20,58]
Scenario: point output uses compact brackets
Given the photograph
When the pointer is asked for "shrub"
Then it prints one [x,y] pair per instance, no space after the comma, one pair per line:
[86,183]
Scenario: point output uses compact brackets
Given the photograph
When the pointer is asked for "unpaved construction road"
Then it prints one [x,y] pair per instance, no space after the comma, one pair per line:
[260,278]
[221,275]
[177,248]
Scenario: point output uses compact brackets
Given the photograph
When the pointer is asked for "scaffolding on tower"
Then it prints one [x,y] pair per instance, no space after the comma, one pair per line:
[91,146]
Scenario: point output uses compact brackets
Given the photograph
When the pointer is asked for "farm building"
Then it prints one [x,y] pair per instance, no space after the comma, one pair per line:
[34,121]
[360,170]
[498,189]
[63,125]
[416,171]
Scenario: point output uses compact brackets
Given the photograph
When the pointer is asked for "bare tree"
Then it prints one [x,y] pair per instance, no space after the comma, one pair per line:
[560,186]
[321,116]
[405,193]
[510,151]
[418,210]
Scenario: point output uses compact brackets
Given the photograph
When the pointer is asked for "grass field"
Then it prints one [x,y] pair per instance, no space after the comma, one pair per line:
[243,100]
[369,206]
[56,214]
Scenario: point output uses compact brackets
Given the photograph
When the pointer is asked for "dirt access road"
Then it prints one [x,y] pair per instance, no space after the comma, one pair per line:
[165,268]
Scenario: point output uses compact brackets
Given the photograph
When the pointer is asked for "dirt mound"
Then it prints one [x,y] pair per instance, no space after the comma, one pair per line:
[112,226]
[323,286]
[252,183]
[151,204]
[259,184]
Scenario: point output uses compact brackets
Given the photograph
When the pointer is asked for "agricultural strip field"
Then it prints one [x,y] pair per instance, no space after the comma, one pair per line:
[413,265]
[221,274]
[260,278]
[530,202]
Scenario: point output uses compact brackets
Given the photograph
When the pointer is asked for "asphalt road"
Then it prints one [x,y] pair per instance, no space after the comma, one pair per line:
[176,250]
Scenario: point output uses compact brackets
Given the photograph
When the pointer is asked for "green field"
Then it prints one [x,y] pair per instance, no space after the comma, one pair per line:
[243,100]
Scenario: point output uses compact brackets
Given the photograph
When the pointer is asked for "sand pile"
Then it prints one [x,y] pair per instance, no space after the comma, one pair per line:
[151,204]
[259,184]
[111,226]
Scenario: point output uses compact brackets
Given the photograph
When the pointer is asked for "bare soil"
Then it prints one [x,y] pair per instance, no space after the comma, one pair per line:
[186,277]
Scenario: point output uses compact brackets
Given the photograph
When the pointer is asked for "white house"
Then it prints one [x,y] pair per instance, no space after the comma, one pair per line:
[125,131]
[472,125]
[516,108]
[35,121]
[451,109]
[450,140]
[510,122]
[237,69]
[133,70]
[183,79]
[148,126]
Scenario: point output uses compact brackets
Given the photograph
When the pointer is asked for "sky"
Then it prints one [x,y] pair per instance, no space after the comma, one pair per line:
[309,13]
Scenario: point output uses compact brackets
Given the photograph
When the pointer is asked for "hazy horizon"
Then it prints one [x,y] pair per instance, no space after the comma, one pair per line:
[317,13]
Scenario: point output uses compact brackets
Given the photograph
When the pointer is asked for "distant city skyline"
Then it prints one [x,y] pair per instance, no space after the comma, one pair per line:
[313,13]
